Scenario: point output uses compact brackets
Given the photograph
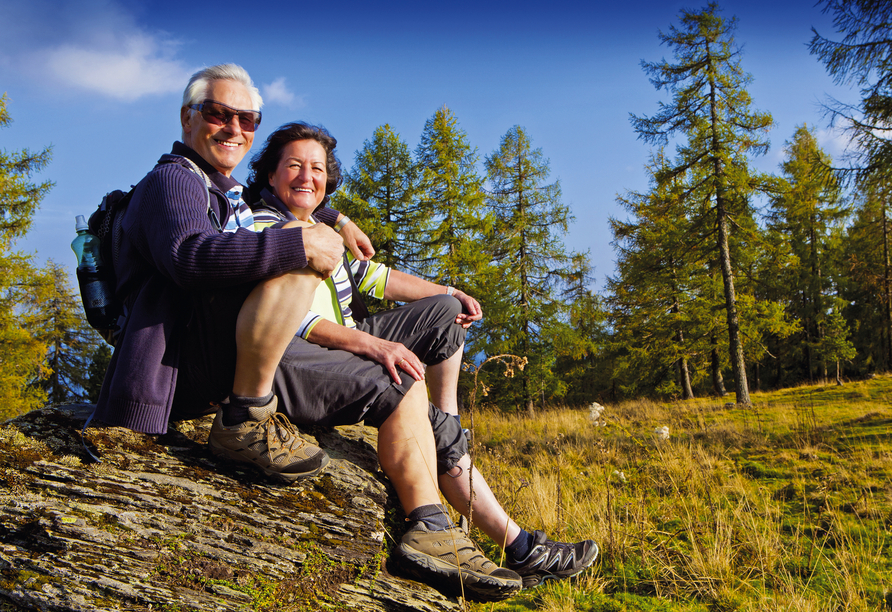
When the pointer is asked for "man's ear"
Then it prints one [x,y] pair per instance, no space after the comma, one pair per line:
[186,119]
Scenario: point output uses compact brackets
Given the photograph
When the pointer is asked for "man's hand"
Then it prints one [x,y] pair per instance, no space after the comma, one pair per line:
[323,247]
[358,243]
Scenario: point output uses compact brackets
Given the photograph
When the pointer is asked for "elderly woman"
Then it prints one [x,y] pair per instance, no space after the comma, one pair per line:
[341,370]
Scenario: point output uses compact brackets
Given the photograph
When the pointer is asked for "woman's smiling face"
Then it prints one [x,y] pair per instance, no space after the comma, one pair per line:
[300,178]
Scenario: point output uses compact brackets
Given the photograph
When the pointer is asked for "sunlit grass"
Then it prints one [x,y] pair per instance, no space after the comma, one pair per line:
[786,505]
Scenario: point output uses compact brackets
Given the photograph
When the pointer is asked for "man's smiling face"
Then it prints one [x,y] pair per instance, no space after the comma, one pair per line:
[222,146]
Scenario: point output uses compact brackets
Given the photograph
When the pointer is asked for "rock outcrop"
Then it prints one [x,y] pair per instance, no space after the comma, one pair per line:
[161,524]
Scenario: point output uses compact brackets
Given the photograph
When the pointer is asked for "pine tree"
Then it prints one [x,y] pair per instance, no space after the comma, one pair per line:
[381,190]
[525,310]
[711,107]
[451,199]
[21,353]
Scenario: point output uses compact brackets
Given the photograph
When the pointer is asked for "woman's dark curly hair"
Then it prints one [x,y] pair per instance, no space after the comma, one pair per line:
[267,159]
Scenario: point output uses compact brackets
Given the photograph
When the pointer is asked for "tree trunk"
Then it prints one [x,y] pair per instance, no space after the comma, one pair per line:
[886,288]
[735,348]
[807,329]
[684,375]
[718,384]
[684,379]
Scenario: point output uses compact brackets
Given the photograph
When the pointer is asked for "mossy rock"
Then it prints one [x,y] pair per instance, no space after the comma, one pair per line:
[161,524]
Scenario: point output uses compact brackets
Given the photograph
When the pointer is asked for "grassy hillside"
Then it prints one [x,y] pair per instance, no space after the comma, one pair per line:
[784,506]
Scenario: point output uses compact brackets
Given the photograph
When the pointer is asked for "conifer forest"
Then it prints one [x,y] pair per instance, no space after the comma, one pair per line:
[727,280]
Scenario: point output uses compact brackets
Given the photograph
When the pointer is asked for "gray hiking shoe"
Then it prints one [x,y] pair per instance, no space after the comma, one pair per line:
[548,560]
[449,560]
[268,441]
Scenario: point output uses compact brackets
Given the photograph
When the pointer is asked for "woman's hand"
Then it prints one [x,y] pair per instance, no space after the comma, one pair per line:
[358,243]
[394,356]
[472,311]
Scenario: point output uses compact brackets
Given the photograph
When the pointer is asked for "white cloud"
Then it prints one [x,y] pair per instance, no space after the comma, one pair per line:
[834,141]
[135,69]
[96,46]
[278,93]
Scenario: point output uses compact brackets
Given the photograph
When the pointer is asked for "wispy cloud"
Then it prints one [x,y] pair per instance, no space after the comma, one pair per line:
[834,141]
[277,92]
[96,46]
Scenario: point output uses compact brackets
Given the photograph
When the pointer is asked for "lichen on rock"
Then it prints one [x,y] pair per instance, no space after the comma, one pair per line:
[161,524]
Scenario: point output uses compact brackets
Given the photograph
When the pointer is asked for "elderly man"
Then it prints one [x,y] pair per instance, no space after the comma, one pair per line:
[211,309]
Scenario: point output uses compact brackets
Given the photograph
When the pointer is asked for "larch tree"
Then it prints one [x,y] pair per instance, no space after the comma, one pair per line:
[834,345]
[580,346]
[711,108]
[867,285]
[451,201]
[863,58]
[99,360]
[805,214]
[57,320]
[655,285]
[525,309]
[21,352]
[381,190]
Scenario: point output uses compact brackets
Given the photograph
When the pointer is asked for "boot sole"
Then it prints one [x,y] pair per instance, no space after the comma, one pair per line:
[533,580]
[446,577]
[287,478]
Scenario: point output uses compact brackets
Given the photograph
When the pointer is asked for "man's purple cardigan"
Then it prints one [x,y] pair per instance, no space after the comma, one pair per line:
[169,248]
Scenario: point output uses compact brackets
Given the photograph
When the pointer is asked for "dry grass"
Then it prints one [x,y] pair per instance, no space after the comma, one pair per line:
[784,506]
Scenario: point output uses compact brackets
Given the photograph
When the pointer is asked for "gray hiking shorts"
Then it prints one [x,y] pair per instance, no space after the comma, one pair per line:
[320,386]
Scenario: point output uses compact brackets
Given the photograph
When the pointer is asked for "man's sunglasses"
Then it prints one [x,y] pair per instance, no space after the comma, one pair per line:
[217,113]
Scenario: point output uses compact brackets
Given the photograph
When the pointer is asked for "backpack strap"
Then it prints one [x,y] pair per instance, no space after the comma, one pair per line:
[207,187]
[357,305]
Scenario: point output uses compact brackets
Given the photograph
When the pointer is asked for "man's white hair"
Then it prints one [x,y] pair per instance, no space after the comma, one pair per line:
[196,90]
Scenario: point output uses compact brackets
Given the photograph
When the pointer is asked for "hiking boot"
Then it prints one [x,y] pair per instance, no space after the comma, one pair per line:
[268,440]
[449,560]
[548,560]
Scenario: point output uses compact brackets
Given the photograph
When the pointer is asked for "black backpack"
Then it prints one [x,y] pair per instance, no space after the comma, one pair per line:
[104,223]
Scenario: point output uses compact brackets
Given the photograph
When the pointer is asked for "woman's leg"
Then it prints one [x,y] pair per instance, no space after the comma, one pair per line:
[488,514]
[442,381]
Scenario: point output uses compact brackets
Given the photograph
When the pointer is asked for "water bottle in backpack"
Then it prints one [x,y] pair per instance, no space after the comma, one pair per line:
[96,291]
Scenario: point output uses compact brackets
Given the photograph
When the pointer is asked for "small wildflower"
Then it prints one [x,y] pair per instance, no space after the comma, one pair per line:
[662,433]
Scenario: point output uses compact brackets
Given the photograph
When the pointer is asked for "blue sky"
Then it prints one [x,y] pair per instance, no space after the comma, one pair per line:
[101,81]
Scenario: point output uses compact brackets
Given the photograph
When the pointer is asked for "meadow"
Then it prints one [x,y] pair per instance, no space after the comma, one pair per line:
[704,506]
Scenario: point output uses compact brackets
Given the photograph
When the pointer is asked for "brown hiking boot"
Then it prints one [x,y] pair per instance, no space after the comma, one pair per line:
[450,561]
[268,440]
